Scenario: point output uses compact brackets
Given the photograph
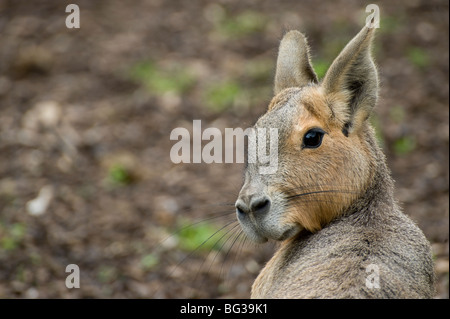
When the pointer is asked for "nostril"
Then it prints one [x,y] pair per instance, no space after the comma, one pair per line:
[260,205]
[247,205]
[241,209]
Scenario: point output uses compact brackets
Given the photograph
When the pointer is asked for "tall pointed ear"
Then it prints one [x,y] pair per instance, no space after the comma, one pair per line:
[293,64]
[351,82]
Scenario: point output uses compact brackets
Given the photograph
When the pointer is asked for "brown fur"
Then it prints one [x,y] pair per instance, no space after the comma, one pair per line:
[332,206]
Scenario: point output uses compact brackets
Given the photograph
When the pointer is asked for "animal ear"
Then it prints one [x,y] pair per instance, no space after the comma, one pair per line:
[351,82]
[293,65]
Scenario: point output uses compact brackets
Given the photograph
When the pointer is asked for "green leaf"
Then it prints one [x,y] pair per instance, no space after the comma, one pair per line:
[418,57]
[199,237]
[242,24]
[160,80]
[220,96]
[149,261]
[119,175]
[320,67]
[404,145]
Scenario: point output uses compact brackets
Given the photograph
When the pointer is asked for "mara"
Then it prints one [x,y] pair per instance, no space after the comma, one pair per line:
[330,203]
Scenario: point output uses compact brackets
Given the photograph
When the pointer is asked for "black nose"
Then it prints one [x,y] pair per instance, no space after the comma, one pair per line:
[253,204]
[260,204]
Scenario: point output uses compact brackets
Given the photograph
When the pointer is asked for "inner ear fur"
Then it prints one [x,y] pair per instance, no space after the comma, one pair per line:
[351,82]
[294,67]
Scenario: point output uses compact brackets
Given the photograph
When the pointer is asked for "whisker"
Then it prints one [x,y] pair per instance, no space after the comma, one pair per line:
[230,232]
[241,246]
[229,249]
[203,220]
[299,199]
[308,186]
[198,247]
[322,192]
[320,187]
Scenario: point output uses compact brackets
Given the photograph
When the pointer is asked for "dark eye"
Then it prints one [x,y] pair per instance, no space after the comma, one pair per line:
[313,138]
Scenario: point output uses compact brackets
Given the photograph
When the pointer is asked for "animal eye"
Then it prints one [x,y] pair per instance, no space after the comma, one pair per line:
[313,138]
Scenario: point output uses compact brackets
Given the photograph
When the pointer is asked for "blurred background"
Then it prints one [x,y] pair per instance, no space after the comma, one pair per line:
[86,115]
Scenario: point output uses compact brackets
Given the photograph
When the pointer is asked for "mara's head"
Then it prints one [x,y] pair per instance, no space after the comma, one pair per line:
[326,150]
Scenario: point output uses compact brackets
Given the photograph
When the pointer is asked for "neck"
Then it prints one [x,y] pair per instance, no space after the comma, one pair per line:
[378,197]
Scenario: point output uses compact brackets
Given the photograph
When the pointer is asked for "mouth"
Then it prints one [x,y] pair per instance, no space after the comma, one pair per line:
[291,232]
[260,231]
[250,227]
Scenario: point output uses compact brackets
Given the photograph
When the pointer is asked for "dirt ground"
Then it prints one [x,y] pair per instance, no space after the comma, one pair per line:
[85,121]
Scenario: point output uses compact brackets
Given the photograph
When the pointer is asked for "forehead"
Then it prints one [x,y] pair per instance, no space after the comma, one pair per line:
[296,107]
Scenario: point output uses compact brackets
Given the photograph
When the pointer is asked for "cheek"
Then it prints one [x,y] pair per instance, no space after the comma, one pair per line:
[337,160]
[351,169]
[320,183]
[355,157]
